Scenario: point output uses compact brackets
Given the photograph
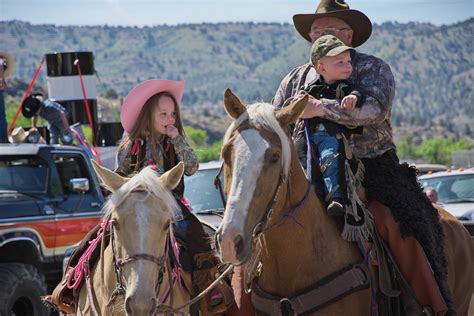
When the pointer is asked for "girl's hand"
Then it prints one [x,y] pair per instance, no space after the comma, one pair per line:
[171,131]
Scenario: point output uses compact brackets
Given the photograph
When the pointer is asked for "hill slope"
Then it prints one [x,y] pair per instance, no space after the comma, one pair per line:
[433,66]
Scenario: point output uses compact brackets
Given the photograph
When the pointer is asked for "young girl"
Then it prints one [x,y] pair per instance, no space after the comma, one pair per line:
[154,136]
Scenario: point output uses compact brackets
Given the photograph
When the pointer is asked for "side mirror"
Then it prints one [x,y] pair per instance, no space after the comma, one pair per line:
[80,185]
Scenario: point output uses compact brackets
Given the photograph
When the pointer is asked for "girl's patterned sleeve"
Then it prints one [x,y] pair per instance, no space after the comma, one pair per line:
[186,154]
[122,162]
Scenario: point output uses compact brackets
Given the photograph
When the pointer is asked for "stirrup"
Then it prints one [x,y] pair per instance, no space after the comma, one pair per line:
[226,301]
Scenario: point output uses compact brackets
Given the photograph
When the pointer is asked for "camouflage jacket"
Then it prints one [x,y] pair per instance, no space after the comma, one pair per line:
[183,151]
[375,78]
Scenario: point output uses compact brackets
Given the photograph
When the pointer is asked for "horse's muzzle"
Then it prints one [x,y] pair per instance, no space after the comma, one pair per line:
[231,249]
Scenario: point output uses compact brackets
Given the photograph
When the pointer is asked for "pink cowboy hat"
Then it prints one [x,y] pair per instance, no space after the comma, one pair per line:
[137,97]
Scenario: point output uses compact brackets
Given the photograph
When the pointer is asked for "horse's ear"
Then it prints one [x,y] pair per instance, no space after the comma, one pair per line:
[110,179]
[232,104]
[289,114]
[171,178]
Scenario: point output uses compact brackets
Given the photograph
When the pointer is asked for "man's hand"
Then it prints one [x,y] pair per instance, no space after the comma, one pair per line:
[349,102]
[67,137]
[314,108]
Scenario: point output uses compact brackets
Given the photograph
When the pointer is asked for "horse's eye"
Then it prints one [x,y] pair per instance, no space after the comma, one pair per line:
[275,158]
[115,223]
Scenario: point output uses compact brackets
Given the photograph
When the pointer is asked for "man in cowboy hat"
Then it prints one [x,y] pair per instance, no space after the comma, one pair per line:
[54,113]
[6,67]
[403,215]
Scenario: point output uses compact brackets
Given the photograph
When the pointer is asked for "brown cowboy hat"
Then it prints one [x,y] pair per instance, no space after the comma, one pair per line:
[18,136]
[357,20]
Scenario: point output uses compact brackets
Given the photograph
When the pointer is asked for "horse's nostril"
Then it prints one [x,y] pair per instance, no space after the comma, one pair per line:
[128,307]
[239,244]
[153,306]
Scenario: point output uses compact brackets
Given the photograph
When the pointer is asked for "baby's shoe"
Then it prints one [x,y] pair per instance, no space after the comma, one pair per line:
[335,207]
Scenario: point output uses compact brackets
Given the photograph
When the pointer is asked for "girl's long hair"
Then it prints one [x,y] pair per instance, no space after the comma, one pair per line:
[144,130]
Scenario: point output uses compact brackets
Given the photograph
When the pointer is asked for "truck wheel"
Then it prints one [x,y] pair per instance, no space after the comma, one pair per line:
[20,290]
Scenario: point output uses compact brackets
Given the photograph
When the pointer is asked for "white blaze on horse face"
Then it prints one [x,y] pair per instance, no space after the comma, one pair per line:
[139,222]
[142,217]
[250,148]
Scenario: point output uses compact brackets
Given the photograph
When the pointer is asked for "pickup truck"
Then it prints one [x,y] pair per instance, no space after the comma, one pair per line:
[50,198]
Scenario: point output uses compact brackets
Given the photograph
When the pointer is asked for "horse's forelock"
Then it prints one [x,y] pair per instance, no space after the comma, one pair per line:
[264,114]
[148,181]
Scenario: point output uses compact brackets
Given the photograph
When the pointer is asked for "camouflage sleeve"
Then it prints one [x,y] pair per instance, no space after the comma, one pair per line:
[186,154]
[376,80]
[280,95]
[288,85]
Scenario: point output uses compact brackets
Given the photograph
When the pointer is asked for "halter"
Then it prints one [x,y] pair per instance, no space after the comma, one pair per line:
[120,289]
[261,226]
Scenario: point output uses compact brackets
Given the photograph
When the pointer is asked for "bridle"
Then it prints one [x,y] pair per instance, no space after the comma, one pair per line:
[262,225]
[120,288]
[162,261]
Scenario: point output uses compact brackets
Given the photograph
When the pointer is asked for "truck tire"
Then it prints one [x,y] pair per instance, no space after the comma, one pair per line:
[21,289]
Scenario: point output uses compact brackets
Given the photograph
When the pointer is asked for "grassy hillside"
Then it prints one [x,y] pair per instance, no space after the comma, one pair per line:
[433,66]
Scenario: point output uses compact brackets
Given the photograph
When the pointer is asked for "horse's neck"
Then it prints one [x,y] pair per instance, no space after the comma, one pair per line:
[304,248]
[103,281]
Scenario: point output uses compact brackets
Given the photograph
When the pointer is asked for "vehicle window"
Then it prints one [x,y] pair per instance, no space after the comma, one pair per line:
[452,189]
[201,192]
[23,174]
[70,167]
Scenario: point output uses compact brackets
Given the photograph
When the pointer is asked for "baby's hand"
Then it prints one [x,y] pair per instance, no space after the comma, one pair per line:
[171,131]
[349,102]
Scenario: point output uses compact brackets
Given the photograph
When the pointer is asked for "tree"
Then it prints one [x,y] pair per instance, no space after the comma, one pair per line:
[198,140]
[111,94]
[439,150]
[197,137]
[406,149]
[206,154]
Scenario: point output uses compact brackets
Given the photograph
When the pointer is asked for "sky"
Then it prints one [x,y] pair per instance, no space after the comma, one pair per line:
[172,12]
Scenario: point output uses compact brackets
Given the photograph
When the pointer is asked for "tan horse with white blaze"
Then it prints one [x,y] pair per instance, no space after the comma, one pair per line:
[300,250]
[269,199]
[140,211]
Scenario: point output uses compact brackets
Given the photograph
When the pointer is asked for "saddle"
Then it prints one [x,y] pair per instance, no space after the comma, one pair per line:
[394,295]
[63,298]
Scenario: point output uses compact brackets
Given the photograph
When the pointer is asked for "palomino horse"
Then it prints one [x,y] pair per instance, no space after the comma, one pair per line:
[133,274]
[269,200]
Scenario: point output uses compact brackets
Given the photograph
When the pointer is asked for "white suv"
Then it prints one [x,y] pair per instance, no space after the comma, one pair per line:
[455,192]
[202,194]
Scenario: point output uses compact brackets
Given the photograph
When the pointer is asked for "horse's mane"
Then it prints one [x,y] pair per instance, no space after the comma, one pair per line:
[264,114]
[148,180]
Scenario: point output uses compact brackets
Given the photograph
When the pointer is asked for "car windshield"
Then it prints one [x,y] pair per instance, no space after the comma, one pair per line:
[201,192]
[23,174]
[453,188]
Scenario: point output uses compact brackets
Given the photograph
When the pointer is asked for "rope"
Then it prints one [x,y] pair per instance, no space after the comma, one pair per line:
[82,270]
